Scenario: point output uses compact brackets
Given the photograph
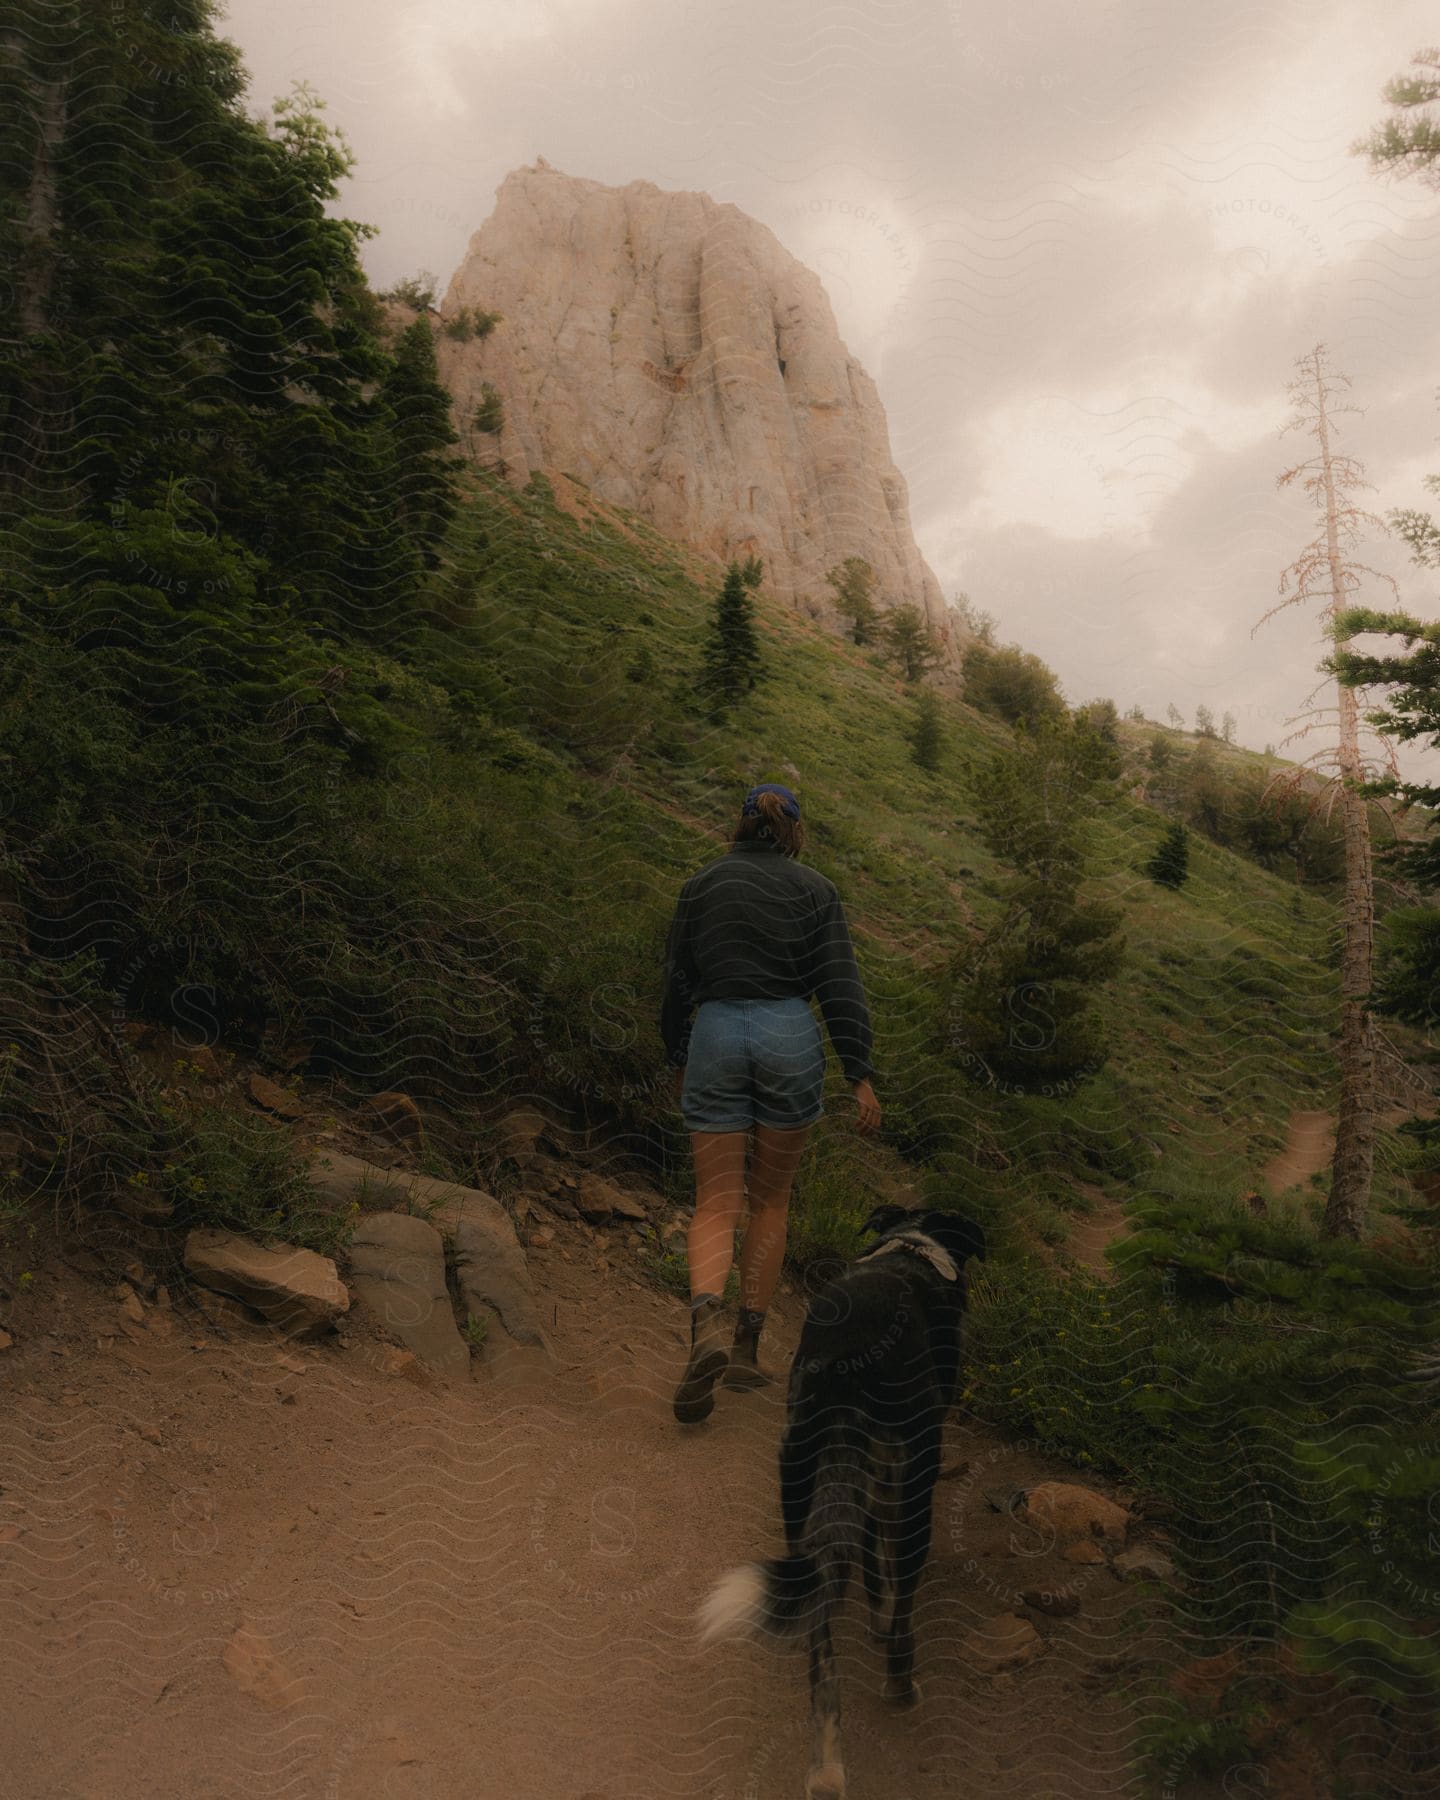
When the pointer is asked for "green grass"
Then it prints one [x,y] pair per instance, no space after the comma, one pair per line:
[569,808]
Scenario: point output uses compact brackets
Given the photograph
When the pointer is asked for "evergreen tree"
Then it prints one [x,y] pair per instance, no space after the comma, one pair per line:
[1170,865]
[730,663]
[854,585]
[1022,997]
[910,642]
[752,571]
[1410,140]
[927,737]
[420,434]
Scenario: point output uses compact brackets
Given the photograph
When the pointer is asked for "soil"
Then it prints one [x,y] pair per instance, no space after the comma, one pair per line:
[237,1566]
[1308,1149]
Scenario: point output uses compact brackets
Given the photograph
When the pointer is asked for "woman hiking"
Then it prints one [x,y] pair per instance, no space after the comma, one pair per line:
[755,934]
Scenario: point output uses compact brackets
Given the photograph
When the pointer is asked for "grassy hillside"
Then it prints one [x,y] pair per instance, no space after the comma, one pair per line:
[572,779]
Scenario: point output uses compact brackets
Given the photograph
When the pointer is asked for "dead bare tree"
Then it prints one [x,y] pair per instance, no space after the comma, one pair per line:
[1325,571]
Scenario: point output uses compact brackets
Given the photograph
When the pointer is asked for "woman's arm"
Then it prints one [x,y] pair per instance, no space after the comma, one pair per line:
[841,994]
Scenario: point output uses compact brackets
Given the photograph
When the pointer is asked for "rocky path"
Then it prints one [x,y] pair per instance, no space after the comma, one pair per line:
[234,1566]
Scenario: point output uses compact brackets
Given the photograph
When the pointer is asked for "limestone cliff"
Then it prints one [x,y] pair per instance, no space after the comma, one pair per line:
[671,354]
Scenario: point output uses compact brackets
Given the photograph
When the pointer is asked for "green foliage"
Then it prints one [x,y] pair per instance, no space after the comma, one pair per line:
[417,291]
[752,571]
[468,322]
[240,1173]
[1244,1369]
[979,623]
[1409,142]
[910,643]
[853,582]
[1170,865]
[1102,718]
[730,662]
[1407,984]
[490,413]
[927,736]
[1205,722]
[1022,1003]
[420,434]
[1011,683]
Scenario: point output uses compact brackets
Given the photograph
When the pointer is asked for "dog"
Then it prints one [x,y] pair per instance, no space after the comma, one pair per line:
[874,1375]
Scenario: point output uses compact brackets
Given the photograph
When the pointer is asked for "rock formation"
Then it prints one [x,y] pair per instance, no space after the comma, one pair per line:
[671,355]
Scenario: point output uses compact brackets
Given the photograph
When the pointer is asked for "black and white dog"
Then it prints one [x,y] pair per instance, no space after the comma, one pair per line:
[874,1375]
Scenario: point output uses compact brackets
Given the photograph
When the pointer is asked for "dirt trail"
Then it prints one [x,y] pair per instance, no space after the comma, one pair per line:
[1308,1149]
[1310,1146]
[473,1592]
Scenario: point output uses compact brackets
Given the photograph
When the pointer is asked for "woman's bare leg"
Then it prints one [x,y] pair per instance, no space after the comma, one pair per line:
[719,1195]
[719,1191]
[772,1175]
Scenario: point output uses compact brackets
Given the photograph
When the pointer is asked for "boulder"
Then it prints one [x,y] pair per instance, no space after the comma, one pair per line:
[1144,1563]
[1074,1512]
[295,1289]
[1059,1603]
[397,1116]
[519,1134]
[597,1199]
[397,1263]
[1004,1642]
[494,1276]
[274,1098]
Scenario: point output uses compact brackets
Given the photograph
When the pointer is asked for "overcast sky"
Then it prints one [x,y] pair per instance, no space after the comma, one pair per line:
[1078,243]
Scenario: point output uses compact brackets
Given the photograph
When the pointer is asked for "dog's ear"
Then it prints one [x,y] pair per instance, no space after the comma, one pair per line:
[962,1237]
[884,1217]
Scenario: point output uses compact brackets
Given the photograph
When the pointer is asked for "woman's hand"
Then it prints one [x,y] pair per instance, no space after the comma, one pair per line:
[869,1106]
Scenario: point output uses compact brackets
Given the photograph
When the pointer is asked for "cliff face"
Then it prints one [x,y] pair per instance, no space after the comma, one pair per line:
[668,352]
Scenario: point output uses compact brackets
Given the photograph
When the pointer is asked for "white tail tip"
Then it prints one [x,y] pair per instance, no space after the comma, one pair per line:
[734,1606]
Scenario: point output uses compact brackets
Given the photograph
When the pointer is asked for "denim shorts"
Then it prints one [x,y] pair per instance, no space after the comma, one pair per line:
[753,1062]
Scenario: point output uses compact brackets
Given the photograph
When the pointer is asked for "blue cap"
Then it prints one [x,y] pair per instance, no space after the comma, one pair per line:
[751,808]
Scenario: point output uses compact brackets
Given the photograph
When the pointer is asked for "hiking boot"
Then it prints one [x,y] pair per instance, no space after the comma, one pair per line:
[744,1372]
[743,1369]
[695,1396]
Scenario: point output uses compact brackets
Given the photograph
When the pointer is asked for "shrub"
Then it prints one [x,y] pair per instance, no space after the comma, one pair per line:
[490,413]
[417,291]
[1011,683]
[1170,865]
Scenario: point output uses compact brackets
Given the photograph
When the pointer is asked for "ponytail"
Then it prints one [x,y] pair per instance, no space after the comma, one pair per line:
[771,824]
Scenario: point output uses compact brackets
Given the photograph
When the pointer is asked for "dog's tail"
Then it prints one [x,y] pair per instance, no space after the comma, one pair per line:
[781,1597]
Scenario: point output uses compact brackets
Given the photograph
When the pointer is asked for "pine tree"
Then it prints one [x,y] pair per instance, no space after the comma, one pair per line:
[420,434]
[1323,571]
[1170,865]
[1410,141]
[927,737]
[854,585]
[1021,998]
[730,663]
[910,642]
